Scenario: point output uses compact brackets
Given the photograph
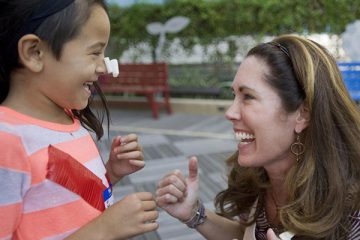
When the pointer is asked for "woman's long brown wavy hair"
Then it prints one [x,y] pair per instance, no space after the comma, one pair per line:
[324,187]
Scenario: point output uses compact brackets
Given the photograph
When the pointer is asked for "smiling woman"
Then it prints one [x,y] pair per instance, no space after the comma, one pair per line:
[296,170]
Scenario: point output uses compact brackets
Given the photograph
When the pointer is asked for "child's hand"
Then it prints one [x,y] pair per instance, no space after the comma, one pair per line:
[133,215]
[126,157]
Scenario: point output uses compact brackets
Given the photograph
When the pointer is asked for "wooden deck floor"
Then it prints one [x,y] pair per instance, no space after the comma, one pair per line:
[167,144]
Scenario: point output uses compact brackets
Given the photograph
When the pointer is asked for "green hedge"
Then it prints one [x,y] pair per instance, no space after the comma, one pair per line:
[212,21]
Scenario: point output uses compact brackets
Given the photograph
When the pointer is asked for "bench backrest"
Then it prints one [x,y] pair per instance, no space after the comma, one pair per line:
[139,75]
[350,72]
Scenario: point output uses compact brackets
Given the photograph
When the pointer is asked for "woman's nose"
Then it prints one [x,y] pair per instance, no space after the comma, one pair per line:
[233,112]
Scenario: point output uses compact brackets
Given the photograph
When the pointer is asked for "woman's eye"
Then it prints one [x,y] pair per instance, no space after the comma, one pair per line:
[97,53]
[248,97]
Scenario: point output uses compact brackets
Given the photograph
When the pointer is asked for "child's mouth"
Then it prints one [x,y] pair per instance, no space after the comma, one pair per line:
[88,86]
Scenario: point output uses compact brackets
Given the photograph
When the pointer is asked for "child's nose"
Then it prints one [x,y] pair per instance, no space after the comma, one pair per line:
[101,68]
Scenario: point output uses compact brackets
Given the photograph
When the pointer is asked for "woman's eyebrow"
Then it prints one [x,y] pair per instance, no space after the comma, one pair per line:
[242,88]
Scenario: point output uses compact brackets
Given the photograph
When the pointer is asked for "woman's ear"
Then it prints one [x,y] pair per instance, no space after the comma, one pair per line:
[31,52]
[302,119]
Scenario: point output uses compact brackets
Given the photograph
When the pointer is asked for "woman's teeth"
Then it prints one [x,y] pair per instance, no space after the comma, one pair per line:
[244,138]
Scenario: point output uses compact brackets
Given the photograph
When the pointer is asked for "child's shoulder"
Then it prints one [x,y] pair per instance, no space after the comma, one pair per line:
[8,119]
[14,119]
[13,116]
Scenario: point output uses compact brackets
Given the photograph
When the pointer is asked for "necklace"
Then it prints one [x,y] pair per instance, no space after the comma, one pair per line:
[277,206]
[273,221]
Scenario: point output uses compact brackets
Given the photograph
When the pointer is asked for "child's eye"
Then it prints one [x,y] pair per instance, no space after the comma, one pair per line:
[97,53]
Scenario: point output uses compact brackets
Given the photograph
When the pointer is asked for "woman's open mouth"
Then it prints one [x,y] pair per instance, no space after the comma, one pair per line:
[244,137]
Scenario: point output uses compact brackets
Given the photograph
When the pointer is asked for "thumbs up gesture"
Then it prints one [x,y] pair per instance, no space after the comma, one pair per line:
[177,194]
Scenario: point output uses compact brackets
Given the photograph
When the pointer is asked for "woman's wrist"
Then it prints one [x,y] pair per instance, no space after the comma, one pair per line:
[197,217]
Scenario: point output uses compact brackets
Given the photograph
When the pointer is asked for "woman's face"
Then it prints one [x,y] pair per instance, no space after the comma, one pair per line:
[263,128]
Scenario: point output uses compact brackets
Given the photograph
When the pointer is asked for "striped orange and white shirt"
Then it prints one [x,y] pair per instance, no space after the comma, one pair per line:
[31,206]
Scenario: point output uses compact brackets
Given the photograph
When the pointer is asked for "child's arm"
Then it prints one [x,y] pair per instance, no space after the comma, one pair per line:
[126,157]
[133,215]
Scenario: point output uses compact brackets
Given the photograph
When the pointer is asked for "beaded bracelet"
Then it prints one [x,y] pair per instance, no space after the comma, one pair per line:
[198,217]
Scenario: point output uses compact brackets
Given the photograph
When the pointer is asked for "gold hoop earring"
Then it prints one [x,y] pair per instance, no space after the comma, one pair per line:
[297,148]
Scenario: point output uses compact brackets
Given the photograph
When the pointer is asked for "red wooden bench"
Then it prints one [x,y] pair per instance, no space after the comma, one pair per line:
[145,79]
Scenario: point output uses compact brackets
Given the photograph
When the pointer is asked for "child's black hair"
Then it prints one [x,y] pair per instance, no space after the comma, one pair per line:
[56,30]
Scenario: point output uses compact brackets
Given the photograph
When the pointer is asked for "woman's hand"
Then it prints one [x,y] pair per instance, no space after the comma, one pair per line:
[126,157]
[270,235]
[178,195]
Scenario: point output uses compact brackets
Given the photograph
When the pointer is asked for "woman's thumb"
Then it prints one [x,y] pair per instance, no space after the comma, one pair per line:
[193,168]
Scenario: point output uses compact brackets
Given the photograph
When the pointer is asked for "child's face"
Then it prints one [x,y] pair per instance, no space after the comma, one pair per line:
[68,79]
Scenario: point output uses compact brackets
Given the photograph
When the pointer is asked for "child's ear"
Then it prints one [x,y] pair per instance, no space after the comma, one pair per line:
[31,52]
[302,119]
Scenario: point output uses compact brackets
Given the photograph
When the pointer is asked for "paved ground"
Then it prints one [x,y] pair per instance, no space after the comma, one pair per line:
[167,143]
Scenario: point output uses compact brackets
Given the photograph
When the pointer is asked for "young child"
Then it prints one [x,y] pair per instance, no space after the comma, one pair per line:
[53,183]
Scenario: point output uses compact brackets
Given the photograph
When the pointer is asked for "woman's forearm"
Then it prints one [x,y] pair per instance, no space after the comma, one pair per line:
[216,227]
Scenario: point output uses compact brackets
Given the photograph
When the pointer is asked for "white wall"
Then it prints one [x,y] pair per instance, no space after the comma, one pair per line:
[177,55]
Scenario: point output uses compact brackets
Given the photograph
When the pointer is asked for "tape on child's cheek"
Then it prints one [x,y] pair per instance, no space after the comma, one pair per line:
[112,66]
[115,67]
[108,65]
